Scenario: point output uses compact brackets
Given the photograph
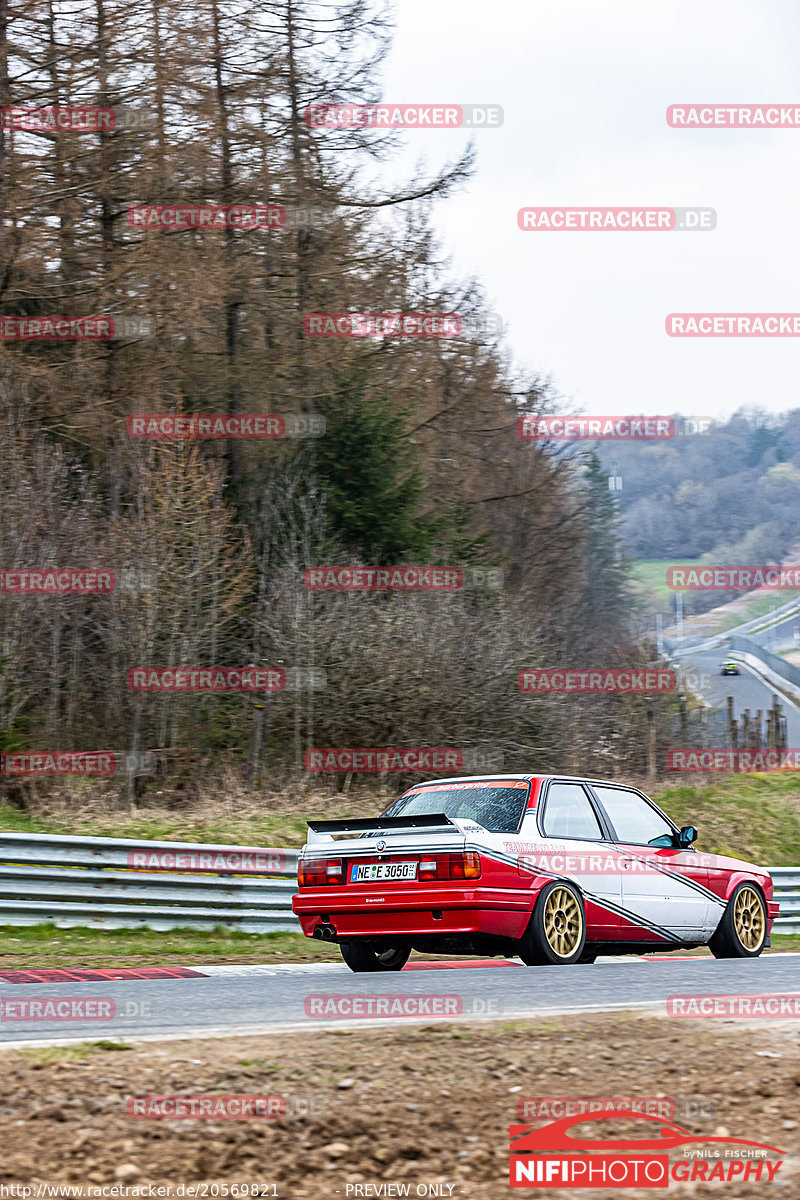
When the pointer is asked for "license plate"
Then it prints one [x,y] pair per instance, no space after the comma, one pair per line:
[373,872]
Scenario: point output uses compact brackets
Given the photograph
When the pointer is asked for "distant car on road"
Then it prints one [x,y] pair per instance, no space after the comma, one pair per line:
[730,667]
[552,869]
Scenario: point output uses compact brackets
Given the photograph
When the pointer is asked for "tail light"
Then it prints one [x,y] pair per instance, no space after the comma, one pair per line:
[320,872]
[450,866]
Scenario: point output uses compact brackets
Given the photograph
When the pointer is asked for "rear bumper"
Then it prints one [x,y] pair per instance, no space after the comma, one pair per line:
[434,910]
[773,908]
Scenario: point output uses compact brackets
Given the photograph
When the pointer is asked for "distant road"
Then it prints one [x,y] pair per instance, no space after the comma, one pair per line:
[747,689]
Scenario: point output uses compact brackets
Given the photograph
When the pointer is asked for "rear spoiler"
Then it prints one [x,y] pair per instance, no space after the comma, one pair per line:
[376,825]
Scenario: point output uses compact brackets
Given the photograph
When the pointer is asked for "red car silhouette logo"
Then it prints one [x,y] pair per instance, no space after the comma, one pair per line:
[555,1138]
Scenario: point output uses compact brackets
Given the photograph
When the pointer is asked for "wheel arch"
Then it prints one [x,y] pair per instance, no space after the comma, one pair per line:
[738,877]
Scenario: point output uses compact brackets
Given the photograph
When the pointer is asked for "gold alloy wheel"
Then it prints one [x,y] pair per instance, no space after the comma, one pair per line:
[563,921]
[748,918]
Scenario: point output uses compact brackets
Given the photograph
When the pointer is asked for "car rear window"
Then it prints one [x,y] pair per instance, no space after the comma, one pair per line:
[497,807]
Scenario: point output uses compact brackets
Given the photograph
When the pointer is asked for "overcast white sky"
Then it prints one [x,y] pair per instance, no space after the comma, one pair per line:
[585,87]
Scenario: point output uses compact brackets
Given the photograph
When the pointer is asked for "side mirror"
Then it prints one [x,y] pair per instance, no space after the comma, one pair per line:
[687,835]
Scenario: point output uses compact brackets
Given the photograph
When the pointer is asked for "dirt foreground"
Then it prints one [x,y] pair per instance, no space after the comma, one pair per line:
[370,1111]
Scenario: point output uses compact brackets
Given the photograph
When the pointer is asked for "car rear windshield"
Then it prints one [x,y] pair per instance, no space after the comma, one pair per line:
[497,809]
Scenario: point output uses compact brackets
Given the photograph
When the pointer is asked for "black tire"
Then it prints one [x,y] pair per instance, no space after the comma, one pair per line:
[556,933]
[742,932]
[364,955]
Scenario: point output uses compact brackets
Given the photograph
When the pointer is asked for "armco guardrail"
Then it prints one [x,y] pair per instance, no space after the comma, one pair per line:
[699,642]
[122,883]
[119,883]
[780,666]
[787,893]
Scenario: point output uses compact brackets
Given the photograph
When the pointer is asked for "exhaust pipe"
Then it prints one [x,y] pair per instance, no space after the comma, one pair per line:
[325,933]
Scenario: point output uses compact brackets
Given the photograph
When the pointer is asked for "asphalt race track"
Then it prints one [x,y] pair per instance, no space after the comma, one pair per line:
[747,689]
[225,1001]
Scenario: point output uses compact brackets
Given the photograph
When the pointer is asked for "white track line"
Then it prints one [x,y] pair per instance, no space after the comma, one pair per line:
[313,968]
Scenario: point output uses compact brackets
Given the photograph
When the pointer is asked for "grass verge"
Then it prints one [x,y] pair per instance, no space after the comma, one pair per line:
[45,947]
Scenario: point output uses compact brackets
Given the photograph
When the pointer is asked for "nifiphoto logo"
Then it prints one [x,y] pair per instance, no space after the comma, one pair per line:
[580,1151]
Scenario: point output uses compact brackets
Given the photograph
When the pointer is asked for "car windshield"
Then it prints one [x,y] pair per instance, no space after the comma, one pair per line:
[497,807]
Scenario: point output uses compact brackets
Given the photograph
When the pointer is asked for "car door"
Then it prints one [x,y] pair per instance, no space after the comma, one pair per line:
[578,847]
[664,888]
